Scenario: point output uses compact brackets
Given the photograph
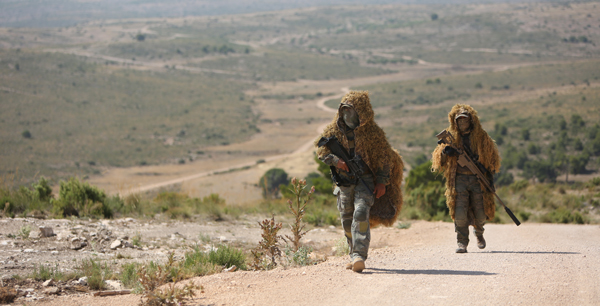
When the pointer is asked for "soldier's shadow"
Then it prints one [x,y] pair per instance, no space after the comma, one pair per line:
[432,272]
[527,252]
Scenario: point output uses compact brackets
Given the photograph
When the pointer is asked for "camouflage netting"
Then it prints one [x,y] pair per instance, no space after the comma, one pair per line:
[481,144]
[372,145]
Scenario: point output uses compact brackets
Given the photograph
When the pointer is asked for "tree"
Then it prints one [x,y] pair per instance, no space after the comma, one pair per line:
[422,175]
[533,149]
[577,144]
[525,134]
[434,16]
[562,124]
[503,178]
[425,191]
[140,37]
[271,180]
[577,123]
[543,170]
[578,163]
[26,134]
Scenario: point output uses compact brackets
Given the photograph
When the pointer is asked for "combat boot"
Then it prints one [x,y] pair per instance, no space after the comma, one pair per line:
[462,248]
[349,266]
[358,265]
[480,241]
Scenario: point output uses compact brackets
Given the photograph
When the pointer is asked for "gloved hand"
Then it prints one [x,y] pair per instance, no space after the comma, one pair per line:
[379,190]
[342,165]
[450,151]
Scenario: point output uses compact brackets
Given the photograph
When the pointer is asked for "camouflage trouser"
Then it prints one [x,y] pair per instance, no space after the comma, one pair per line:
[354,203]
[469,207]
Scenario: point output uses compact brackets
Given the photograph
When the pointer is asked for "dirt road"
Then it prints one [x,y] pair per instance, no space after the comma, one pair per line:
[533,264]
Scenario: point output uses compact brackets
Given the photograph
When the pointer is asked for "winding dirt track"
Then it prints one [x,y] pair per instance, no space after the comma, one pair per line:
[533,264]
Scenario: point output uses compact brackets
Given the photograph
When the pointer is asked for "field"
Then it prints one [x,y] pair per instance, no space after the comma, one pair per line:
[166,115]
[106,99]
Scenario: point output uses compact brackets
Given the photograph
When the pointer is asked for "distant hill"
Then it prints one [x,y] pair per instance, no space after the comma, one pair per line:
[34,13]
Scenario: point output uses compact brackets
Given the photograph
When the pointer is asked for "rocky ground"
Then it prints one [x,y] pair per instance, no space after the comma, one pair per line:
[533,264]
[61,244]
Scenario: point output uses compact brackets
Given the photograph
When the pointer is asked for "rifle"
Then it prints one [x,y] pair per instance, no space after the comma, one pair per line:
[353,163]
[464,160]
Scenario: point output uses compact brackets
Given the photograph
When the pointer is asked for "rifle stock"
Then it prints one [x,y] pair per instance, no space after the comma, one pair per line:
[465,160]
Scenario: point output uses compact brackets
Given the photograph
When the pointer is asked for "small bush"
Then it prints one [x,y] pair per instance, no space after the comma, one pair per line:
[196,263]
[227,256]
[563,215]
[43,273]
[341,247]
[154,276]
[503,178]
[594,182]
[268,251]
[271,180]
[129,275]
[24,232]
[519,185]
[300,257]
[403,225]
[298,209]
[523,216]
[96,273]
[78,198]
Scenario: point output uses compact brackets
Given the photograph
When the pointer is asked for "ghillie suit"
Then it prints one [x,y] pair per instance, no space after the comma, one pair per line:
[481,144]
[372,145]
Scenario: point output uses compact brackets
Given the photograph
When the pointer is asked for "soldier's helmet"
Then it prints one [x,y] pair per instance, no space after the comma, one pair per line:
[463,113]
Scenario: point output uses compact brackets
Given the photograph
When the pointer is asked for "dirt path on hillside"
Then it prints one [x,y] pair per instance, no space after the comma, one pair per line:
[533,264]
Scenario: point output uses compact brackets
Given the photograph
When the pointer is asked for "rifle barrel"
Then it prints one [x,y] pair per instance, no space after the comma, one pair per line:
[469,163]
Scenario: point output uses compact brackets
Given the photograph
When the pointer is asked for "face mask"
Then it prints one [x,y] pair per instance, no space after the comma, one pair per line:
[350,117]
[463,125]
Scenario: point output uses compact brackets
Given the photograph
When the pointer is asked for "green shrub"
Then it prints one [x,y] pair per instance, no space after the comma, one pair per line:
[301,257]
[594,182]
[78,198]
[96,273]
[403,225]
[196,263]
[519,185]
[43,273]
[213,205]
[563,215]
[543,170]
[24,232]
[322,184]
[422,175]
[341,247]
[271,180]
[129,275]
[227,256]
[523,216]
[23,199]
[578,163]
[503,178]
[42,190]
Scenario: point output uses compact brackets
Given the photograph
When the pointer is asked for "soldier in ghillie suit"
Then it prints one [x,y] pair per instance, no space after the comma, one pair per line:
[469,202]
[378,198]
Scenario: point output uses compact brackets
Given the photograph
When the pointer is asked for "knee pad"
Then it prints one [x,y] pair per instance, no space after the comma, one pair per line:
[363,226]
[361,213]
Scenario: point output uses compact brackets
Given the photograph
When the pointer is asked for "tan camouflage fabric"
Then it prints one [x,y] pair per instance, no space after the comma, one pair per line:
[481,144]
[372,145]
